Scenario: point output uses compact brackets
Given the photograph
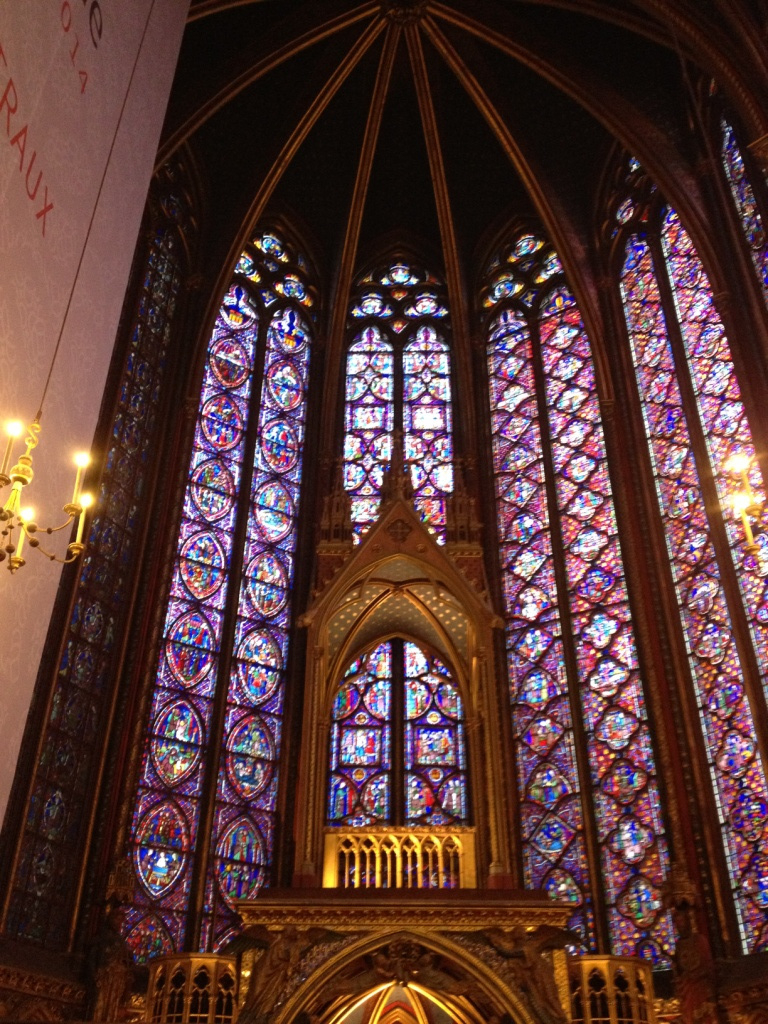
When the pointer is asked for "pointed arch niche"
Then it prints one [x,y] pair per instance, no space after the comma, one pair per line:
[399,584]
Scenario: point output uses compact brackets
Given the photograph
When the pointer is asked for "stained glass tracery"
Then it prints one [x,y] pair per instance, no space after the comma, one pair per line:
[398,378]
[73,741]
[190,687]
[715,420]
[745,201]
[420,716]
[536,333]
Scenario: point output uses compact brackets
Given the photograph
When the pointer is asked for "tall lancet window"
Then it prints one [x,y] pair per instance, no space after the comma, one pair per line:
[746,202]
[399,380]
[397,741]
[586,772]
[204,815]
[695,421]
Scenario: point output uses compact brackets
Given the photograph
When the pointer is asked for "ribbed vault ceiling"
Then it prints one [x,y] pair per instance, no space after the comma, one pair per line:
[436,122]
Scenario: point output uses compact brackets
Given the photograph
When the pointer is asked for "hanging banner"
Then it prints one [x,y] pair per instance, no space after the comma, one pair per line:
[84,85]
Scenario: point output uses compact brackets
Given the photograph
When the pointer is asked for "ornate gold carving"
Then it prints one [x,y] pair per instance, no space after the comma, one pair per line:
[381,911]
[25,995]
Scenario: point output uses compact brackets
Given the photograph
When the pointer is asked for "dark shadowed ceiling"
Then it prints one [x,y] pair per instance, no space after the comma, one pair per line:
[436,123]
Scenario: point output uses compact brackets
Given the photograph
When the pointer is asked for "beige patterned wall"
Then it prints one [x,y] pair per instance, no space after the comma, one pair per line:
[65,69]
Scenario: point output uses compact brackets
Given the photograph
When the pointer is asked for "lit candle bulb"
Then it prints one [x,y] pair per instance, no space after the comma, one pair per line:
[13,429]
[86,500]
[26,515]
[81,461]
[738,463]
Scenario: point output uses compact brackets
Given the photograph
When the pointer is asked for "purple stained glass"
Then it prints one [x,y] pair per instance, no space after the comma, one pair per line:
[427,424]
[369,422]
[599,606]
[541,713]
[737,775]
[435,760]
[421,406]
[608,681]
[360,785]
[427,712]
[745,202]
[246,797]
[170,797]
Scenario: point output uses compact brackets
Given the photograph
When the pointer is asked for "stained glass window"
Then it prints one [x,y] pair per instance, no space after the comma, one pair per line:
[570,641]
[74,735]
[227,582]
[399,379]
[745,201]
[397,741]
[692,405]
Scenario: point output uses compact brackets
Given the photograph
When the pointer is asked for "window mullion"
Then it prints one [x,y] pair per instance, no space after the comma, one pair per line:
[210,788]
[398,732]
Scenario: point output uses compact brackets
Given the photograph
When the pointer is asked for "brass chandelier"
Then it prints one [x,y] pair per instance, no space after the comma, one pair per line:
[18,522]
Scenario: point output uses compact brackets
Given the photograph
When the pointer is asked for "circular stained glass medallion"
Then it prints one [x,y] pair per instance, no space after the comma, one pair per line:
[749,815]
[617,728]
[640,901]
[279,446]
[341,800]
[249,756]
[161,844]
[346,701]
[221,422]
[273,510]
[547,785]
[267,586]
[213,489]
[189,648]
[377,698]
[148,939]
[230,362]
[630,840]
[202,565]
[448,700]
[624,781]
[241,854]
[561,886]
[175,747]
[259,664]
[417,698]
[375,796]
[285,385]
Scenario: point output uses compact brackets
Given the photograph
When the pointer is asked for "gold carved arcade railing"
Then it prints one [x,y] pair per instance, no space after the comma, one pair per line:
[610,990]
[192,988]
[386,858]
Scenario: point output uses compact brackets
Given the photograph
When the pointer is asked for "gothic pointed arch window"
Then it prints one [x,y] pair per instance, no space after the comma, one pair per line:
[73,737]
[591,819]
[397,744]
[398,383]
[204,813]
[695,420]
[745,199]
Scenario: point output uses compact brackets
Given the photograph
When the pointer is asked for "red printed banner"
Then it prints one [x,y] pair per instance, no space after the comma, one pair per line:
[84,85]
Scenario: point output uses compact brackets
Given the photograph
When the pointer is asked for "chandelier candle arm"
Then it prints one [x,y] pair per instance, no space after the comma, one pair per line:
[13,429]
